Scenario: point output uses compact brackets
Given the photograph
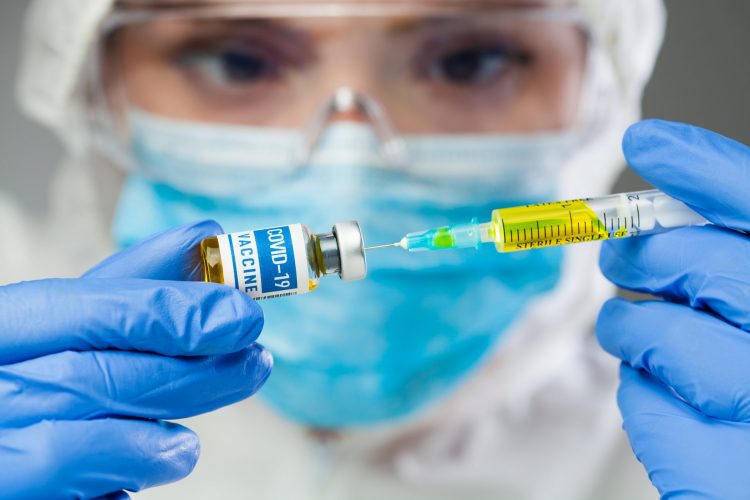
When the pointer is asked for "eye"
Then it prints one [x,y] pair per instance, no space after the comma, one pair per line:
[472,66]
[230,66]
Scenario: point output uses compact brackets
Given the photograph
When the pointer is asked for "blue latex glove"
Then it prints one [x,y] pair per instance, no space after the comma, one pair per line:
[89,367]
[685,376]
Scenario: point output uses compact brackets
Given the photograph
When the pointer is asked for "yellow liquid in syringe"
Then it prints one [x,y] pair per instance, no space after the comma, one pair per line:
[554,224]
[562,223]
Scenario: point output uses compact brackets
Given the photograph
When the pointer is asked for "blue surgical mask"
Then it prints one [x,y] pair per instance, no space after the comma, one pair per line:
[353,354]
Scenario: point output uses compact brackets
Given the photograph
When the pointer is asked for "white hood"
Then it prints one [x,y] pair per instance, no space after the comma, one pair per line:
[545,369]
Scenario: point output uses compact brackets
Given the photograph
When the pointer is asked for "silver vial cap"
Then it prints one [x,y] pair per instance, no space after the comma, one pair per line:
[351,250]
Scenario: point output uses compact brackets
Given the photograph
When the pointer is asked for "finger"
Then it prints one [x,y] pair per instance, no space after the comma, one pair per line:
[703,359]
[173,255]
[707,171]
[166,317]
[667,435]
[707,267]
[85,459]
[94,384]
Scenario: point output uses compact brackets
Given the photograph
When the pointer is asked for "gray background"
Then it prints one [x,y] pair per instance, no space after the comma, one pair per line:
[703,77]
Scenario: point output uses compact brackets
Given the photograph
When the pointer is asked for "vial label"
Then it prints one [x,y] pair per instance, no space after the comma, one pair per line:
[266,263]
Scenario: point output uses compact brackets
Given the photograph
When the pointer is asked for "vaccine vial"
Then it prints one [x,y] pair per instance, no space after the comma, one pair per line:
[284,260]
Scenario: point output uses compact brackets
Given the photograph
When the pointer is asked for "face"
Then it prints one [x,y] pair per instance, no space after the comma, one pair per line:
[389,345]
[498,70]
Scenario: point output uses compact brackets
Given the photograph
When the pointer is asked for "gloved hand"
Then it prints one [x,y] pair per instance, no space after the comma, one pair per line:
[89,367]
[685,376]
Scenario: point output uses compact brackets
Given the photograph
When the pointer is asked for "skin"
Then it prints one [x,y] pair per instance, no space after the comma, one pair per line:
[380,57]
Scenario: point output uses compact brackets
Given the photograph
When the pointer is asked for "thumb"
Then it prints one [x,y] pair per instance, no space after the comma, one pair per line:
[171,255]
[707,171]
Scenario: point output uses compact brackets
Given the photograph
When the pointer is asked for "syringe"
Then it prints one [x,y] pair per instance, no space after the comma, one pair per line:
[560,223]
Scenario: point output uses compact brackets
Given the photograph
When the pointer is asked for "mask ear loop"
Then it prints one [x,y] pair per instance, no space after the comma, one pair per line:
[347,100]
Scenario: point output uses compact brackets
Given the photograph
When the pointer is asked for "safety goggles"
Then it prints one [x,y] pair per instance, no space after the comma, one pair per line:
[407,68]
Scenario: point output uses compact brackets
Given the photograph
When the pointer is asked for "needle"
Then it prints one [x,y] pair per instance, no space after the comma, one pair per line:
[390,245]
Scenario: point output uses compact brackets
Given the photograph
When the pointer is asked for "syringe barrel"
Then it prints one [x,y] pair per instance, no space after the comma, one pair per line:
[589,219]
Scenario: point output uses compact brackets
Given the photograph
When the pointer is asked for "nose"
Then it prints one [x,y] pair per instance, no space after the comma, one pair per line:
[348,116]
[349,105]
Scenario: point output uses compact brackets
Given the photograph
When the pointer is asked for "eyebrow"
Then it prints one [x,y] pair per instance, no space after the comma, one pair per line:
[408,24]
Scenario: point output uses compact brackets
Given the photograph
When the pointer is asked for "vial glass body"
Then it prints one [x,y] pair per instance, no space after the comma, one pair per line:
[281,261]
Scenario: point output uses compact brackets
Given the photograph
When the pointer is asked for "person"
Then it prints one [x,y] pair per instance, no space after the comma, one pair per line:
[450,375]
